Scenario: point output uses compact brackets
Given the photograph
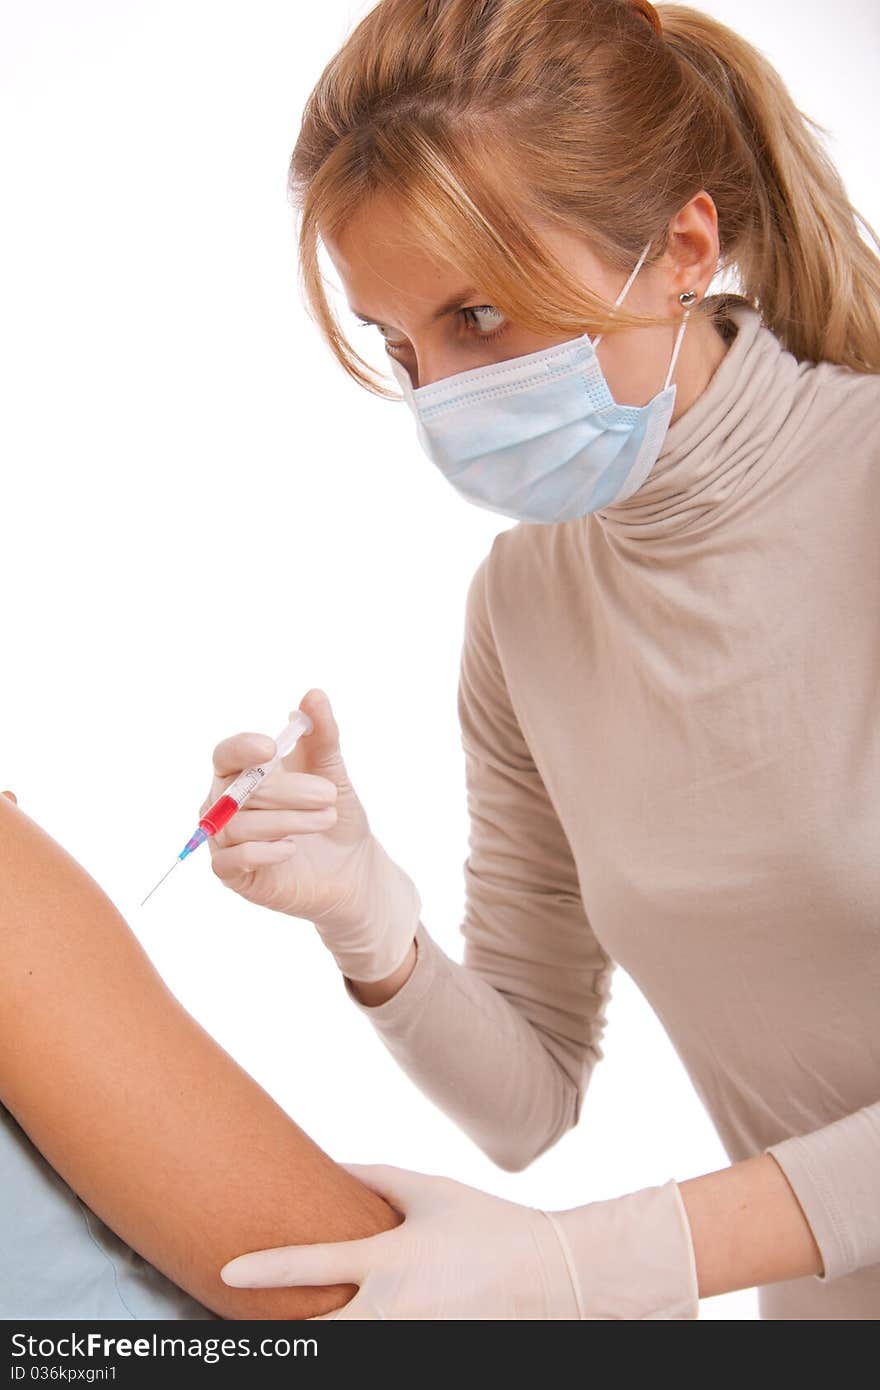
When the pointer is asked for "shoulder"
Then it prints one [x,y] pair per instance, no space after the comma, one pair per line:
[842,419]
[523,579]
[853,397]
[530,558]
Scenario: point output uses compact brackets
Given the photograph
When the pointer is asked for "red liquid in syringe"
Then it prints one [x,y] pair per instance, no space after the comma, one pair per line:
[219,814]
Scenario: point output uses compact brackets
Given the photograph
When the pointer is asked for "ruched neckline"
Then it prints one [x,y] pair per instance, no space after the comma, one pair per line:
[711,449]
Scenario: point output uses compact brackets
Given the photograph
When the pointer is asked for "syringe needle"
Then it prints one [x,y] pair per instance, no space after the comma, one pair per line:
[161,880]
[237,793]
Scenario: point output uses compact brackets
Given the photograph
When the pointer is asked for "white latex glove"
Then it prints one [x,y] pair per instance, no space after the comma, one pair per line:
[302,845]
[462,1254]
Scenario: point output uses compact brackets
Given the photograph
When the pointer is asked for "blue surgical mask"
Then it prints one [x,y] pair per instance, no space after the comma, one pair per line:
[540,438]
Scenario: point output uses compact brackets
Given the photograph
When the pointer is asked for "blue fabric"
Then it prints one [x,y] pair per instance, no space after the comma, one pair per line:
[59,1260]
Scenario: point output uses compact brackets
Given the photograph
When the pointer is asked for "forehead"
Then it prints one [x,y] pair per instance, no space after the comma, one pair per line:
[382,266]
[389,276]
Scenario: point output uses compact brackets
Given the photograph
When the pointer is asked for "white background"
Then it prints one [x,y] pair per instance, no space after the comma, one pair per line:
[203,517]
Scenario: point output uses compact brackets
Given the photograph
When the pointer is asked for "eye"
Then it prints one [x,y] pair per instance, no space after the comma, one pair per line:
[487,330]
[483,330]
[389,342]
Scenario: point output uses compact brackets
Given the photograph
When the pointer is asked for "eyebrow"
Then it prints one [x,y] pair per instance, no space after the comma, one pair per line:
[450,306]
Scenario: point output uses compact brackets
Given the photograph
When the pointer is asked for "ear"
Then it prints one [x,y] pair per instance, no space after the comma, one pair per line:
[693,246]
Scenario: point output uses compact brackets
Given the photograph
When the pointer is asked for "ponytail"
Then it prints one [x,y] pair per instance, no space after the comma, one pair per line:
[804,263]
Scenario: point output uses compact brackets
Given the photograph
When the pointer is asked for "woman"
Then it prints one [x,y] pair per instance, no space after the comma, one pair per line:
[669,691]
[135,1155]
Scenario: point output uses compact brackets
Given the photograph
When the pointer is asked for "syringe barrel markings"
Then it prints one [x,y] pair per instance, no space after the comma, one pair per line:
[225,807]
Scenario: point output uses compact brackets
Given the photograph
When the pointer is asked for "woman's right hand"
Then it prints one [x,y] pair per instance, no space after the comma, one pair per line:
[302,845]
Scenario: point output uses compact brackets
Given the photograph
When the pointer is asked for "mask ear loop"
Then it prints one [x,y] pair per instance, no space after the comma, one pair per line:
[639,263]
[678,338]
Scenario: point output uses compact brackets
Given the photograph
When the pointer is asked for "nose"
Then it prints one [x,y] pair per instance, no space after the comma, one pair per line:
[433,366]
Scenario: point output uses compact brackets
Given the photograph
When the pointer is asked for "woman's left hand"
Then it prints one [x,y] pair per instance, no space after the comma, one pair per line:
[464,1254]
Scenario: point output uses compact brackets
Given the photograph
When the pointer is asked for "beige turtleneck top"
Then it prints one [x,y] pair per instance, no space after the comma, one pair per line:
[670,713]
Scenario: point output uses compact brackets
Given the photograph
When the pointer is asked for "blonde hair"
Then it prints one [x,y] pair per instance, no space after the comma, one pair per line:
[483,117]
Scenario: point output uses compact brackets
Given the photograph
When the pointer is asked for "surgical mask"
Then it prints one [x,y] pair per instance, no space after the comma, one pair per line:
[540,438]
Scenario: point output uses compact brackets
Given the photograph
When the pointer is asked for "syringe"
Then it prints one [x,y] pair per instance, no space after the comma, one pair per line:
[235,795]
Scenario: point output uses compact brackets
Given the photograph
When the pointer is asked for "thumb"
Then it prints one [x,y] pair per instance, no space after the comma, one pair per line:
[335,1262]
[321,752]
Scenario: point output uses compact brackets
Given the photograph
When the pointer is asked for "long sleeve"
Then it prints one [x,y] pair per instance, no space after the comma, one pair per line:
[504,1042]
[835,1174]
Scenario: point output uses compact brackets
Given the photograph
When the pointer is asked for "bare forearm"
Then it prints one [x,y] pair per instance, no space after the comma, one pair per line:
[140,1111]
[747,1227]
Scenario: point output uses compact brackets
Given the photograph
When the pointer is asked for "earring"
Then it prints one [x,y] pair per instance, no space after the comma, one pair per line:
[687,297]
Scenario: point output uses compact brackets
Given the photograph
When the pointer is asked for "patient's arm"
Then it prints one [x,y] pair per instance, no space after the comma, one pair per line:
[147,1118]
